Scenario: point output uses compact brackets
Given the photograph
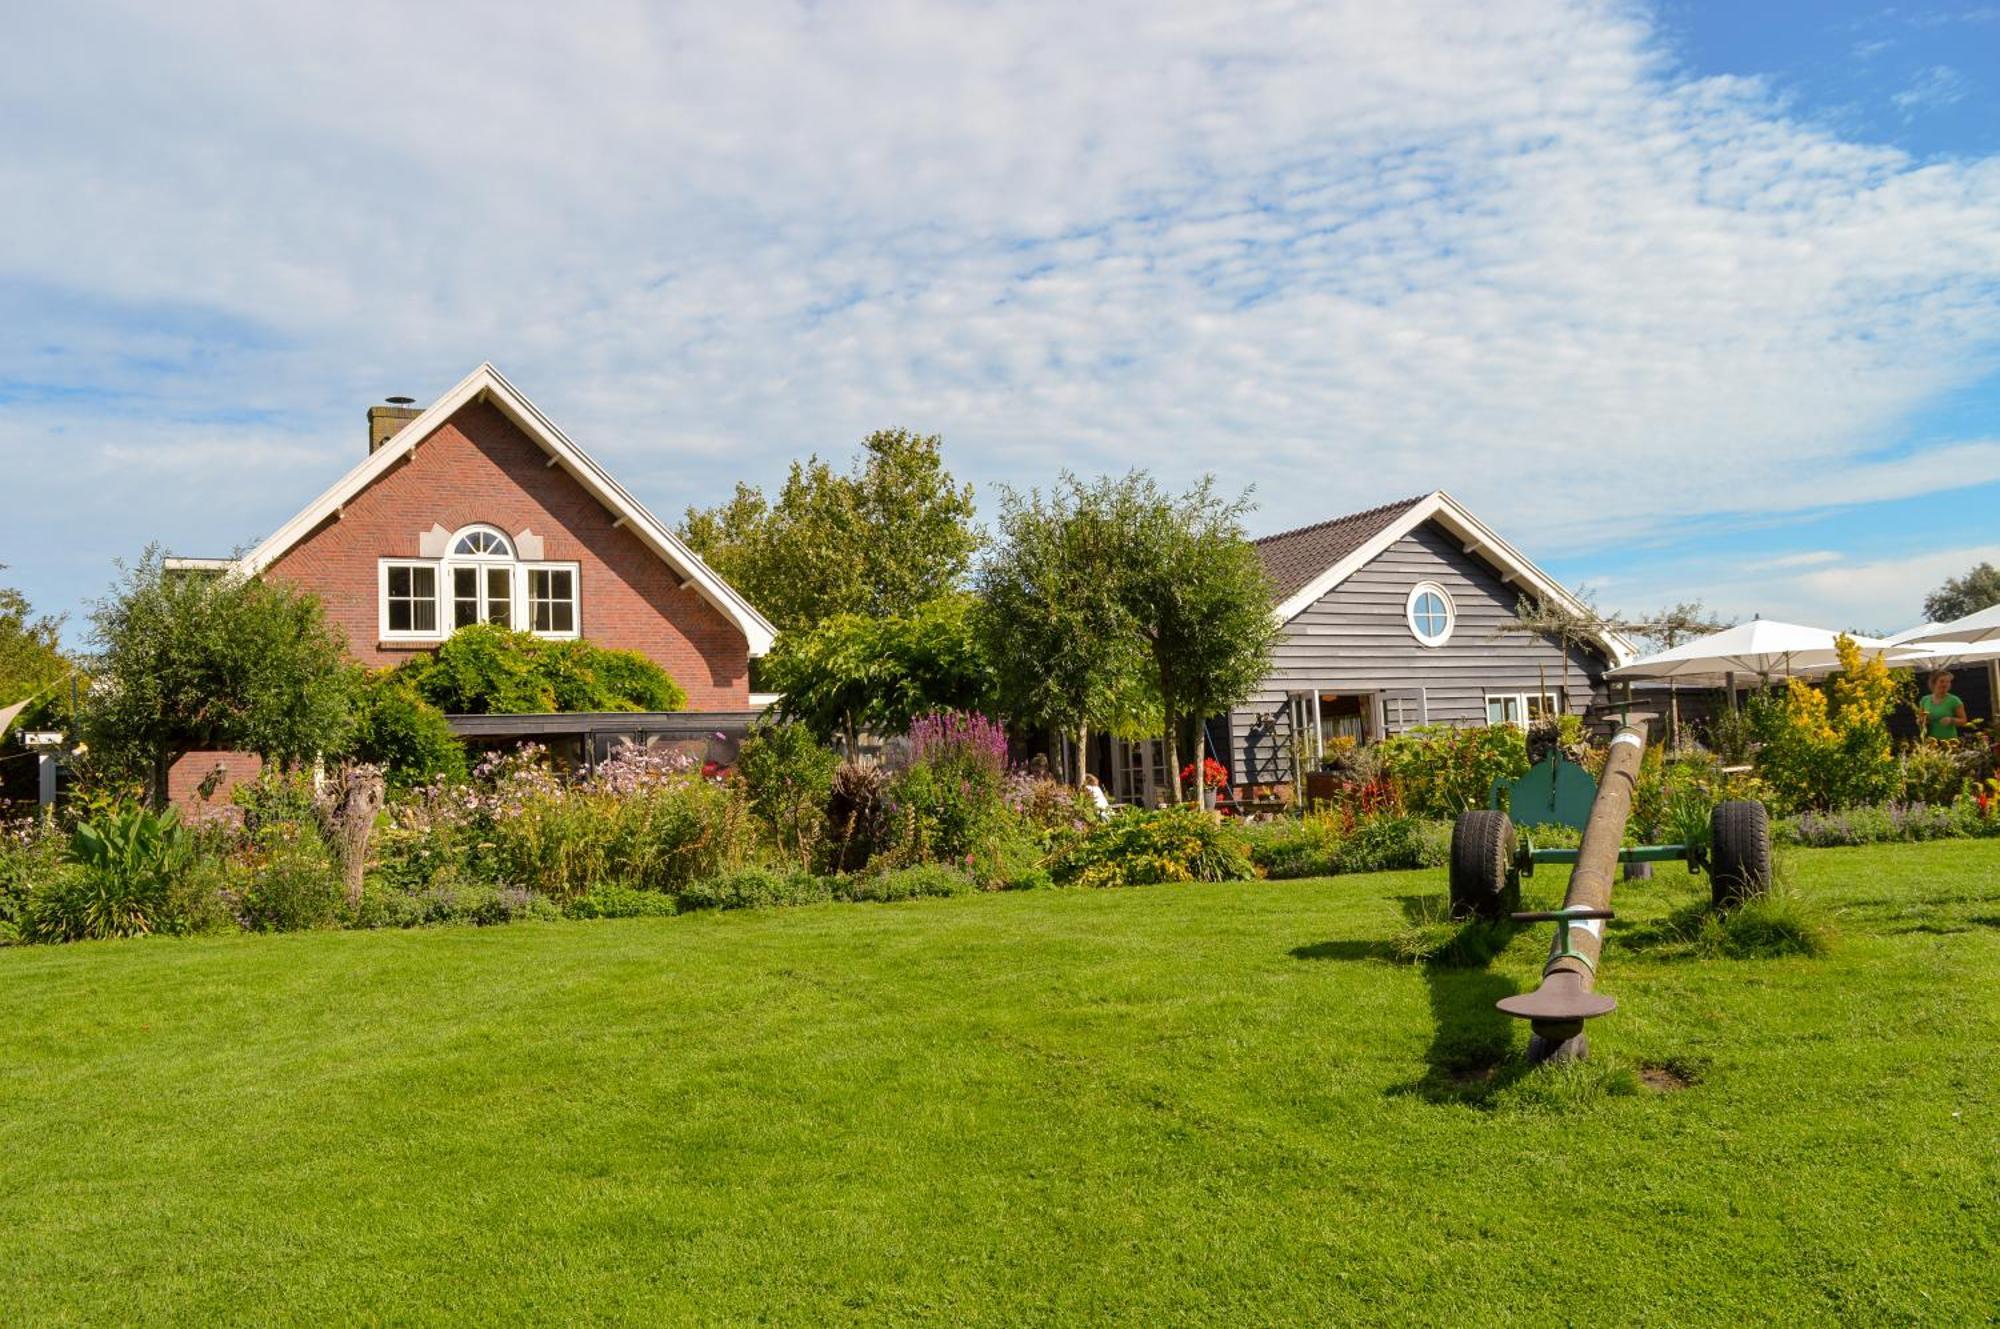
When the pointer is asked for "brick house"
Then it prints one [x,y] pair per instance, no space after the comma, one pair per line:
[479,509]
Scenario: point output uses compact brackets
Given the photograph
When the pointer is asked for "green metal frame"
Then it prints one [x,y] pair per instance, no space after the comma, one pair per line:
[1526,855]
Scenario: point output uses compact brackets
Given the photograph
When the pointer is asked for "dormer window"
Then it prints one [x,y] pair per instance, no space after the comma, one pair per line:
[481,580]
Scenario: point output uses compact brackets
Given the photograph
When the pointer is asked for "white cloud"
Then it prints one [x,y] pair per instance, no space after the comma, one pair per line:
[1939,85]
[1347,252]
[1824,588]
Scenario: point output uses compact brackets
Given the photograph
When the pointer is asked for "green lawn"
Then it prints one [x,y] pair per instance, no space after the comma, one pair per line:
[1208,1104]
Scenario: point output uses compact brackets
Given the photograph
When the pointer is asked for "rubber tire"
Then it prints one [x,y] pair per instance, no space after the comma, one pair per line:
[1484,882]
[1739,852]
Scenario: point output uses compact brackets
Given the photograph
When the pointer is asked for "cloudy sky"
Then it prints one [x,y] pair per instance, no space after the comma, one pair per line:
[1688,299]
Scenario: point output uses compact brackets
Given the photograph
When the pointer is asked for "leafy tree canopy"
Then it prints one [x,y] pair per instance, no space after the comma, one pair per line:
[193,661]
[1978,589]
[1054,617]
[31,654]
[892,533]
[855,673]
[1197,592]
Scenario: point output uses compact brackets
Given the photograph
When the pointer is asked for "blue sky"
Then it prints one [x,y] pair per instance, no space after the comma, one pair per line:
[1688,300]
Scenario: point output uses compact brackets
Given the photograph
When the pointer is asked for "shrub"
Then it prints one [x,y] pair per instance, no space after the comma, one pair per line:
[486,669]
[949,805]
[82,903]
[119,881]
[612,900]
[31,852]
[1047,805]
[857,813]
[1444,771]
[1675,795]
[1304,846]
[1934,772]
[1829,747]
[788,775]
[406,736]
[1384,844]
[661,833]
[458,902]
[959,740]
[1178,843]
[1883,824]
[920,881]
[756,888]
[293,882]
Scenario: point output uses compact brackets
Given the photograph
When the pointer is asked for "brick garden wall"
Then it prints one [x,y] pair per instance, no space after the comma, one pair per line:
[478,467]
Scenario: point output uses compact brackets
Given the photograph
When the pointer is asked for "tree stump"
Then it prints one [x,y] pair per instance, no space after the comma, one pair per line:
[348,807]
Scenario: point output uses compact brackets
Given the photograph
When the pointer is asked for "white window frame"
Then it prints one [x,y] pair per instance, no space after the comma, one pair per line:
[524,607]
[519,613]
[382,569]
[1552,704]
[1432,640]
[480,565]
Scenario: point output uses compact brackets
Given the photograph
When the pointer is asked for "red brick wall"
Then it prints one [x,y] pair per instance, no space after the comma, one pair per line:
[478,467]
[185,777]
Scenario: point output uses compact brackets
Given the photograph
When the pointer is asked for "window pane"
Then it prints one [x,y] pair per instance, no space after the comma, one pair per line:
[464,597]
[399,615]
[500,596]
[399,583]
[424,615]
[552,599]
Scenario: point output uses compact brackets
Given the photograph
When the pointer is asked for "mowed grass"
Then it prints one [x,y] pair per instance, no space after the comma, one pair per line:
[1205,1104]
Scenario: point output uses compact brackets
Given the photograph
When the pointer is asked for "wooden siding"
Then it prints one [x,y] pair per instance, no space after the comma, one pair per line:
[1357,639]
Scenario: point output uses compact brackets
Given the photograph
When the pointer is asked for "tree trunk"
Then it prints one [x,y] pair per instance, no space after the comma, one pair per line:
[347,809]
[1082,759]
[1201,763]
[163,765]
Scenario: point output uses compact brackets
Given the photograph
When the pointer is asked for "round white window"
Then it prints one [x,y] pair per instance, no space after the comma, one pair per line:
[1430,613]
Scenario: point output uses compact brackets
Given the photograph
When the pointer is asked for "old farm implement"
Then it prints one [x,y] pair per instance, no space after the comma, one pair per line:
[1489,856]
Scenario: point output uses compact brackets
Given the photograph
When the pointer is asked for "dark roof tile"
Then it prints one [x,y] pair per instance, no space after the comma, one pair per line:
[1293,558]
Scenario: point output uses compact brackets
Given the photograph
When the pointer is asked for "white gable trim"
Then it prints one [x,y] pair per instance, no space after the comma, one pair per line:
[487,383]
[1479,539]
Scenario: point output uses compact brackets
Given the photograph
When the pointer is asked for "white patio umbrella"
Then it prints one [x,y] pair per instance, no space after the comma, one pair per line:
[1981,626]
[1763,646]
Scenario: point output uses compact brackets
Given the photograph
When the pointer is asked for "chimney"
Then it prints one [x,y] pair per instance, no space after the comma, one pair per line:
[385,421]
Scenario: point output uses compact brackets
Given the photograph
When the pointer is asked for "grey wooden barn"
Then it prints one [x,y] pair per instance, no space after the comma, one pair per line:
[1393,618]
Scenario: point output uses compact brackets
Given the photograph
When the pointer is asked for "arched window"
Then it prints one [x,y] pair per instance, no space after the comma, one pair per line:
[482,542]
[480,576]
[1430,613]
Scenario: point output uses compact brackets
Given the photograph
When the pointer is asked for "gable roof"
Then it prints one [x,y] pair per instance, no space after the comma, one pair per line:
[488,384]
[1293,558]
[1306,563]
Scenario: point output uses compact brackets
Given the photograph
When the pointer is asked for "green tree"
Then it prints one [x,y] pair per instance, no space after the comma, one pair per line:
[31,656]
[1978,589]
[1197,593]
[1054,619]
[855,673]
[187,661]
[892,533]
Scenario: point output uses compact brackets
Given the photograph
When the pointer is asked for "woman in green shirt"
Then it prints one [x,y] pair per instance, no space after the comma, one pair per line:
[1944,713]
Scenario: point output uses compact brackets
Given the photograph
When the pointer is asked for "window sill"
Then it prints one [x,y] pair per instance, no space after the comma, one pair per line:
[409,643]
